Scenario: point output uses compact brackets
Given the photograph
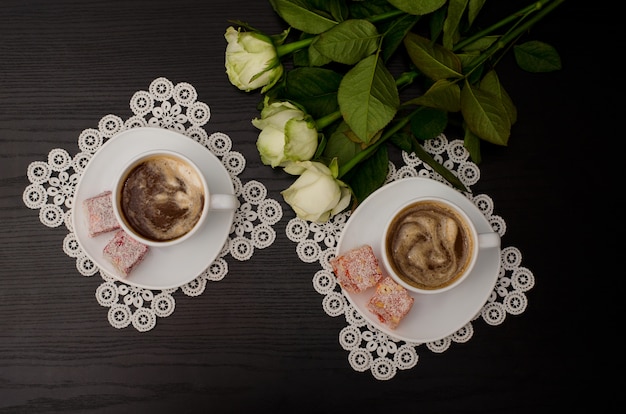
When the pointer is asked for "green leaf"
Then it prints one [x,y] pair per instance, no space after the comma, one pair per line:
[491,83]
[485,115]
[369,175]
[316,58]
[301,56]
[536,56]
[475,71]
[481,44]
[419,8]
[443,94]
[340,145]
[402,140]
[368,97]
[349,41]
[468,60]
[473,9]
[394,32]
[313,88]
[299,15]
[434,61]
[451,31]
[472,143]
[437,167]
[337,8]
[366,9]
[436,23]
[428,123]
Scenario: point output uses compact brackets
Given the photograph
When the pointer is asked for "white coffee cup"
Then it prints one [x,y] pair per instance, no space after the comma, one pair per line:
[430,245]
[161,198]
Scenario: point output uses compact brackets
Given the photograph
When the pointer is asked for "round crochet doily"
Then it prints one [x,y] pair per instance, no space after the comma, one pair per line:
[368,347]
[169,106]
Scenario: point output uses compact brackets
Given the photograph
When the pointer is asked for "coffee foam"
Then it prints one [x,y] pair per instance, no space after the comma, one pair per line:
[428,245]
[162,198]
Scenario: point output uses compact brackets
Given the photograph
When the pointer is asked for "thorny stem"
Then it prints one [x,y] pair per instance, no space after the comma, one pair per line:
[515,32]
[287,48]
[485,32]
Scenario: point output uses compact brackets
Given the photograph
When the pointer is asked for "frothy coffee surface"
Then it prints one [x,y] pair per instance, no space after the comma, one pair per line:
[162,198]
[428,245]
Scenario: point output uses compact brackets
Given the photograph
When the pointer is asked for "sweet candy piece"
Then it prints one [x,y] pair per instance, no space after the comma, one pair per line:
[357,269]
[124,252]
[100,216]
[391,302]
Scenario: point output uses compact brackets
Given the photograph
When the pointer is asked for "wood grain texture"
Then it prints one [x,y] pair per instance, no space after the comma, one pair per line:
[259,339]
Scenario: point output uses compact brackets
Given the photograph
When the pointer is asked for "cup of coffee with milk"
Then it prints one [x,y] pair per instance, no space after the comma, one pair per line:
[430,245]
[161,198]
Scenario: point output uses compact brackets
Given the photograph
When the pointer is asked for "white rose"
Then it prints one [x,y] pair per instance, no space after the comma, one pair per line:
[316,194]
[287,134]
[251,60]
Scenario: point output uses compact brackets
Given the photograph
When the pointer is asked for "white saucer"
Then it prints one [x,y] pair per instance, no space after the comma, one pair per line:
[433,316]
[163,267]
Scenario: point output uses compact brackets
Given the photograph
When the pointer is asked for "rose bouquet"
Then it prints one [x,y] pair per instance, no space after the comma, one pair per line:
[331,102]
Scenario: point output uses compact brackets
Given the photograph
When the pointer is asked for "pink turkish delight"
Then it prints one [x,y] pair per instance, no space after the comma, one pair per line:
[124,252]
[100,216]
[391,302]
[357,269]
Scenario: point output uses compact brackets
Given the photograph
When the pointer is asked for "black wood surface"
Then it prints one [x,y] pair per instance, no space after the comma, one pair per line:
[259,339]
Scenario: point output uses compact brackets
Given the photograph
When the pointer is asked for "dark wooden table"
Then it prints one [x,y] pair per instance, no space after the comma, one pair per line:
[259,339]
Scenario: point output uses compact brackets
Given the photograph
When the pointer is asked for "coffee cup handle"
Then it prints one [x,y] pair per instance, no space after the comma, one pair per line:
[223,202]
[488,240]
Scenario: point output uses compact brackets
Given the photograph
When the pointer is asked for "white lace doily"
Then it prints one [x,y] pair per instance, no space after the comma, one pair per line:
[169,106]
[369,348]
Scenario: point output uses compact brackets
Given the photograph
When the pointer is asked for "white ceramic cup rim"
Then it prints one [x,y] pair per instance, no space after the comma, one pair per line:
[473,233]
[119,182]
